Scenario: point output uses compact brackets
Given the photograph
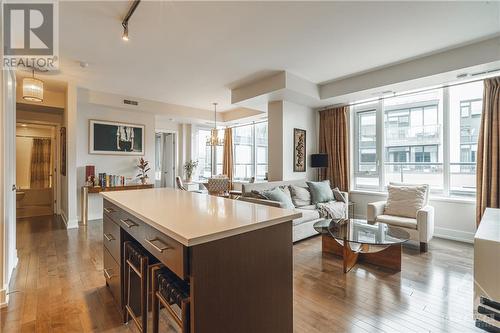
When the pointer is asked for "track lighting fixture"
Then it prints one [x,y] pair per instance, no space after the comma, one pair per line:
[125,32]
[131,10]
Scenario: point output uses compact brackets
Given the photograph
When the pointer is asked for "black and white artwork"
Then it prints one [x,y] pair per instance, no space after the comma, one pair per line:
[113,138]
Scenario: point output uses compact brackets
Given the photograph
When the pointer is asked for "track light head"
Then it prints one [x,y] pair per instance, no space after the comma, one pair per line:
[125,32]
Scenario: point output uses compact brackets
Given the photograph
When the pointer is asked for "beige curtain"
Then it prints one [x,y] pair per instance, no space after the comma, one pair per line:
[488,150]
[334,141]
[227,162]
[40,163]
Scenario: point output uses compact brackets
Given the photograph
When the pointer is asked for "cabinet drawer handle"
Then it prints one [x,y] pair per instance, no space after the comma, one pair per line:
[160,248]
[109,237]
[107,275]
[109,210]
[129,223]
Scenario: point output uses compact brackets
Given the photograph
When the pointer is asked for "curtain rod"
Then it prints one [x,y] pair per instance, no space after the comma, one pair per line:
[34,137]
[246,124]
[402,94]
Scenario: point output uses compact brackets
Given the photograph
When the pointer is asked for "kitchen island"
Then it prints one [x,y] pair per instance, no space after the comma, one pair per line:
[235,256]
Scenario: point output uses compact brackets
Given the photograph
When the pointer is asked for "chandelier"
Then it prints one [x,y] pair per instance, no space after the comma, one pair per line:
[32,89]
[214,139]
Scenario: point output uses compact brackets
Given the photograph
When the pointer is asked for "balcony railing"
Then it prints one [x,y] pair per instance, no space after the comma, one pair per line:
[412,135]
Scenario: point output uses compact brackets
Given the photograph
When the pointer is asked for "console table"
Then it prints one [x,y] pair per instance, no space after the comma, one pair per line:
[487,271]
[97,189]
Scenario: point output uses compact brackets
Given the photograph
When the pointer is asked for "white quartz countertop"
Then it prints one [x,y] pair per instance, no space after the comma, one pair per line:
[195,218]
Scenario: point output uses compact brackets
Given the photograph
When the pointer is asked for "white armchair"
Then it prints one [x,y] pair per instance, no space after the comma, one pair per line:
[420,228]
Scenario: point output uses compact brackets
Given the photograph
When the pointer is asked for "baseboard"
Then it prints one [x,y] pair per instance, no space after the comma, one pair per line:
[4,298]
[64,218]
[456,235]
[70,224]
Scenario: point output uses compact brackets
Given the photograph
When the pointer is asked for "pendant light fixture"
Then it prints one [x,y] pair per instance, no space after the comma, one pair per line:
[214,139]
[32,89]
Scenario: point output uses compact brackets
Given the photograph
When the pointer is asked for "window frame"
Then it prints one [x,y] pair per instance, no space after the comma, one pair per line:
[381,114]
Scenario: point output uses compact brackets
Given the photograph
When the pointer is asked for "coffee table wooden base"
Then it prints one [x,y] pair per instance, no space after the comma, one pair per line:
[389,257]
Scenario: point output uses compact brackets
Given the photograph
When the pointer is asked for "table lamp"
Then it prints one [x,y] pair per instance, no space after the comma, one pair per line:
[319,161]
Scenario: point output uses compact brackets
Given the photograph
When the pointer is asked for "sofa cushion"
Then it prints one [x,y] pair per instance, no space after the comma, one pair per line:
[300,196]
[307,216]
[405,222]
[320,191]
[309,207]
[405,200]
[279,195]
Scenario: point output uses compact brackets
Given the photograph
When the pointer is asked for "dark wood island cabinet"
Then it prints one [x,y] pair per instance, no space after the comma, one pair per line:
[235,256]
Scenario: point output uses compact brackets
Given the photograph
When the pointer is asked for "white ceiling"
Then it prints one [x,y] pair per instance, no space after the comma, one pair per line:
[192,53]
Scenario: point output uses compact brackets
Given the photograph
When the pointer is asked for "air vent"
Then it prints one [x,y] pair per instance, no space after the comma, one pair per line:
[130,102]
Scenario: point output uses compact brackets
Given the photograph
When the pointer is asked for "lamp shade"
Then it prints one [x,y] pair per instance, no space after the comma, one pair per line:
[32,89]
[319,160]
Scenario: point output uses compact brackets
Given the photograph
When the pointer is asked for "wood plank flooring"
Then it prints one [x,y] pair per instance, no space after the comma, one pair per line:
[58,286]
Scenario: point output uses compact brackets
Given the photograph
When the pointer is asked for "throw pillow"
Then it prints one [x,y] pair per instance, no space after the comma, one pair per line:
[338,195]
[257,194]
[320,191]
[300,196]
[405,200]
[277,194]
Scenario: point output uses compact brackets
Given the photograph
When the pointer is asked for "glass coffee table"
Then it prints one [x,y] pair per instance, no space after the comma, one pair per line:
[357,240]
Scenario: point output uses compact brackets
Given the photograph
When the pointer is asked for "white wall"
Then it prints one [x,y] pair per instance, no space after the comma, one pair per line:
[283,117]
[110,164]
[454,218]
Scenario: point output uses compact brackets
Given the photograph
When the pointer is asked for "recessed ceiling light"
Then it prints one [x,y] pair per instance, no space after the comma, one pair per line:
[84,64]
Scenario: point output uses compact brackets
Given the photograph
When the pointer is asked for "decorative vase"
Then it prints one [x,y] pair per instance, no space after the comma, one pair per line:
[144,181]
[188,179]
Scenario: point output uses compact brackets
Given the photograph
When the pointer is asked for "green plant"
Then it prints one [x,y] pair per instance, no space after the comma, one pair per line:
[143,169]
[189,168]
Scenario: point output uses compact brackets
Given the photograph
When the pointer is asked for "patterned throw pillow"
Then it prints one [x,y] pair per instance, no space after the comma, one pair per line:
[338,195]
[300,196]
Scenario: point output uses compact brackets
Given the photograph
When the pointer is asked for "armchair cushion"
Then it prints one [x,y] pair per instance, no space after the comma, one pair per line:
[375,209]
[405,201]
[398,221]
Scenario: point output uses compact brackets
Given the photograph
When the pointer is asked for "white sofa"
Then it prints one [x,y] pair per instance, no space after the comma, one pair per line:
[303,226]
[420,228]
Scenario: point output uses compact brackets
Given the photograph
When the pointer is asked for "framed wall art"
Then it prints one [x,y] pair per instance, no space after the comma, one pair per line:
[299,150]
[114,138]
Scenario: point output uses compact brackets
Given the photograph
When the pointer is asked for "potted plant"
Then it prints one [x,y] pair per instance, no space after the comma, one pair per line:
[189,168]
[143,169]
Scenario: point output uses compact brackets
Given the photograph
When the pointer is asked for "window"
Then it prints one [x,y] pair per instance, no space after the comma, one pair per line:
[250,151]
[243,147]
[261,150]
[366,170]
[204,169]
[414,145]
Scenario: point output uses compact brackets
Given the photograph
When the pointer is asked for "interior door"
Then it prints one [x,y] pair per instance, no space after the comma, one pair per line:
[9,168]
[169,159]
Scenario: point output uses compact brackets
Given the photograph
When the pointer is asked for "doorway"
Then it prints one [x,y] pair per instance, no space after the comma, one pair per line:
[35,169]
[165,159]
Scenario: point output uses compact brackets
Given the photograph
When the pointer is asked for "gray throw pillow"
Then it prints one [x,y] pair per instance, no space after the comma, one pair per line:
[277,194]
[300,196]
[338,195]
[320,191]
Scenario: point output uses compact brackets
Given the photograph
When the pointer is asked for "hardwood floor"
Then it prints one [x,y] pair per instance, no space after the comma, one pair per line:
[58,286]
